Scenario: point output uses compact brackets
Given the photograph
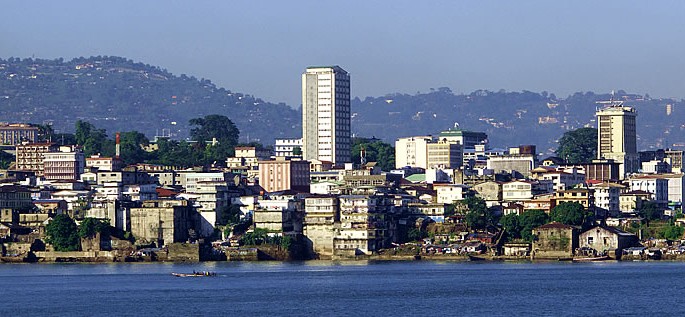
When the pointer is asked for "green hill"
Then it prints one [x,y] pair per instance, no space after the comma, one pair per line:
[120,95]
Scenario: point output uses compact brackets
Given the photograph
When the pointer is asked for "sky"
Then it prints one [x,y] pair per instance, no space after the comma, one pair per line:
[262,47]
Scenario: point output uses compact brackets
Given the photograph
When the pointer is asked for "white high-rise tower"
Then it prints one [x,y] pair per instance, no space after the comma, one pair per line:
[326,132]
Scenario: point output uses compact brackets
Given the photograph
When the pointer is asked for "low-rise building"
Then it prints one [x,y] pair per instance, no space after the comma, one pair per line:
[607,240]
[607,197]
[450,193]
[554,240]
[583,196]
[162,221]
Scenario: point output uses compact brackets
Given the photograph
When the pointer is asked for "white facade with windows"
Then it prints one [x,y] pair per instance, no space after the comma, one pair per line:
[326,131]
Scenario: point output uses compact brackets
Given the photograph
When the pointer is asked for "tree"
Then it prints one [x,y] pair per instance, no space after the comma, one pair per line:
[93,140]
[230,215]
[214,126]
[672,232]
[531,219]
[130,144]
[650,210]
[376,151]
[477,216]
[90,226]
[62,233]
[512,225]
[578,146]
[568,213]
[6,160]
[416,234]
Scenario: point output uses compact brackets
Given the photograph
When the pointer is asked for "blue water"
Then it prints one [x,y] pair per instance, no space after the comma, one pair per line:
[344,289]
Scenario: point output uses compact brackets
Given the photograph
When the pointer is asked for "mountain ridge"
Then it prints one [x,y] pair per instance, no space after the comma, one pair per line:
[119,94]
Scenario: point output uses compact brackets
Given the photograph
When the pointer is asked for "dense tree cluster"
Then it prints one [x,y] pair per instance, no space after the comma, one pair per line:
[62,233]
[521,227]
[376,151]
[578,146]
[214,138]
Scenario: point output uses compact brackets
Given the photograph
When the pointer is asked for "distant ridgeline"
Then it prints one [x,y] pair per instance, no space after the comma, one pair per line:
[514,118]
[118,94]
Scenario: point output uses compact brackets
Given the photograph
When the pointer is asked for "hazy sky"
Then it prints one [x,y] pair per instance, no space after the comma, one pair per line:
[262,47]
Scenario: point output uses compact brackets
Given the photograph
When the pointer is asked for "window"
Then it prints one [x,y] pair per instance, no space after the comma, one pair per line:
[590,240]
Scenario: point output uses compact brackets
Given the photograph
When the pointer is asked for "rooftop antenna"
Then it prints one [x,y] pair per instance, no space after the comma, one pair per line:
[611,102]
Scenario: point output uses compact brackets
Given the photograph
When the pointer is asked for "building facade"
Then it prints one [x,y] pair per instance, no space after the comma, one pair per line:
[412,151]
[281,174]
[29,157]
[66,164]
[326,132]
[617,137]
[16,133]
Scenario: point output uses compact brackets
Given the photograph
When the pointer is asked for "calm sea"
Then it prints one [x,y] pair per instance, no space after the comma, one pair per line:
[344,289]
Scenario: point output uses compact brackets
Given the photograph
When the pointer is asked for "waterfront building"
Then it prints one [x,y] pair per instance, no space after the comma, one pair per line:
[554,240]
[607,240]
[321,213]
[326,128]
[162,221]
[362,224]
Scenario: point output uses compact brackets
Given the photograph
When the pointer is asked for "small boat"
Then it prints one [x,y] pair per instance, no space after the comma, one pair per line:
[194,274]
[594,259]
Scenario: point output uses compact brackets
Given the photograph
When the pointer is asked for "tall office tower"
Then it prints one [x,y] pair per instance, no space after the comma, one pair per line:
[616,137]
[326,133]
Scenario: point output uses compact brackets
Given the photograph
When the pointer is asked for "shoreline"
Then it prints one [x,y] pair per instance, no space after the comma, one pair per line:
[370,258]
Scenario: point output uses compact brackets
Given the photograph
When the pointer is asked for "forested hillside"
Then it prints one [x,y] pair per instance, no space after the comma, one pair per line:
[118,94]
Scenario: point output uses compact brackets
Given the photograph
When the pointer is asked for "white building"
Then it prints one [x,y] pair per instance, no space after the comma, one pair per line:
[450,193]
[562,179]
[412,151]
[658,187]
[285,147]
[607,196]
[67,164]
[326,132]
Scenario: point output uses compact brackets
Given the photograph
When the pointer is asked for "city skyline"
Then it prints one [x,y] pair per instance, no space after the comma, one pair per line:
[389,48]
